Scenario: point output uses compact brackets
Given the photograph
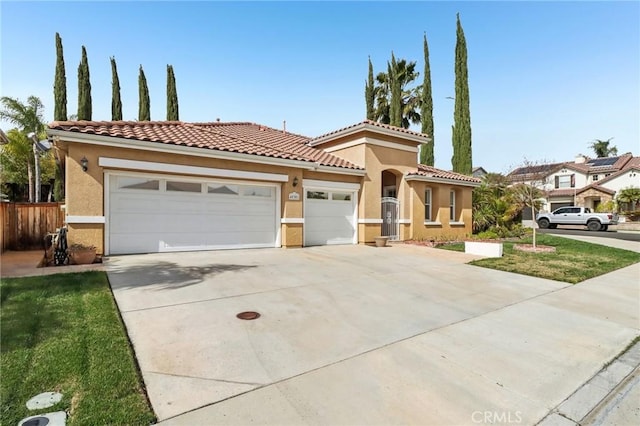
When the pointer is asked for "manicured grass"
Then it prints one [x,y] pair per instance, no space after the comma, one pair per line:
[63,333]
[573,262]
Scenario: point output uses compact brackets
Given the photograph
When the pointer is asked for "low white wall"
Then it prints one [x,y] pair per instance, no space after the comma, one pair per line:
[483,249]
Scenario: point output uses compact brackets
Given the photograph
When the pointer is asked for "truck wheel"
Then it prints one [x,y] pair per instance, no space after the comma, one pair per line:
[593,225]
[604,228]
[553,225]
[543,223]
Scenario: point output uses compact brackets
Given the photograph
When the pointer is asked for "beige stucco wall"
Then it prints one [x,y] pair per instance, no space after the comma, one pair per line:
[377,159]
[85,194]
[440,228]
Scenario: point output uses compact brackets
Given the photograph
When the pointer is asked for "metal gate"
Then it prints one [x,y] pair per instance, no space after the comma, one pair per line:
[390,223]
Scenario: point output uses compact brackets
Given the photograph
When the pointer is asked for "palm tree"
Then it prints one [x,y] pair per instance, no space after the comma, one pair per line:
[14,154]
[28,118]
[629,198]
[406,73]
[601,148]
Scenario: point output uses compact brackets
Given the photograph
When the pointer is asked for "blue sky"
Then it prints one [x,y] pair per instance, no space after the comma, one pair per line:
[546,78]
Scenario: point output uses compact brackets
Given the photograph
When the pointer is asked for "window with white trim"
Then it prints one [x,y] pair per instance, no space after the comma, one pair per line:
[565,181]
[452,206]
[594,178]
[427,205]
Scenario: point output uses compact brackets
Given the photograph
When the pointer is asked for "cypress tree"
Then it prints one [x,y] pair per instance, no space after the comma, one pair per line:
[84,88]
[144,105]
[172,96]
[461,138]
[395,110]
[116,102]
[426,111]
[369,94]
[60,84]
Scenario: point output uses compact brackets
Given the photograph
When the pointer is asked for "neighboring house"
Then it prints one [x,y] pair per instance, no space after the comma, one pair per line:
[140,187]
[478,172]
[586,182]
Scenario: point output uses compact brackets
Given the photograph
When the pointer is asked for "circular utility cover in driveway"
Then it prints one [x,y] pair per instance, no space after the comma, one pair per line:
[248,315]
[44,400]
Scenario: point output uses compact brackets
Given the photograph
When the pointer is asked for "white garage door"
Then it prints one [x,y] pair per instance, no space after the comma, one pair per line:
[329,217]
[156,214]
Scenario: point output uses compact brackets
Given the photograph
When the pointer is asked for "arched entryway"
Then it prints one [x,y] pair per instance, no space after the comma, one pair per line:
[390,204]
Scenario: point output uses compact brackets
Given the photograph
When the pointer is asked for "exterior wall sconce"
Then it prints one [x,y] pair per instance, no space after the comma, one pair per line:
[295,181]
[85,164]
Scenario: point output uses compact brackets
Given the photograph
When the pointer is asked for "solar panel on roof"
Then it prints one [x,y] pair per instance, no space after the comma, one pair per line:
[598,162]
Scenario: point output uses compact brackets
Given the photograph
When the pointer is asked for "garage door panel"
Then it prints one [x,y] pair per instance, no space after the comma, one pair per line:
[143,221]
[322,238]
[328,221]
[142,243]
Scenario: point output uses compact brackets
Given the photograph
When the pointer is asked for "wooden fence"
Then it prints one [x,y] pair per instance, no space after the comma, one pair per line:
[24,225]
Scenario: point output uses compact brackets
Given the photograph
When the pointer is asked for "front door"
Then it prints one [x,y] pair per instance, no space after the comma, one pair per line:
[390,223]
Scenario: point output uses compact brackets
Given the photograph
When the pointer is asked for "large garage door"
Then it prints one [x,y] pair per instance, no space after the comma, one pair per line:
[329,217]
[156,214]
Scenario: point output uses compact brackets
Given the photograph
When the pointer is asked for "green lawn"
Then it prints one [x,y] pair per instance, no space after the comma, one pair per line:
[63,333]
[573,261]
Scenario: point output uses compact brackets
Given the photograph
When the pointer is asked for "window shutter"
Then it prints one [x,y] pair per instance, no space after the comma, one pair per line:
[573,180]
[557,182]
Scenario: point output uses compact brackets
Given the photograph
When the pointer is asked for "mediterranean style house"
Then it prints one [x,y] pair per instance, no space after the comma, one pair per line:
[143,187]
[585,182]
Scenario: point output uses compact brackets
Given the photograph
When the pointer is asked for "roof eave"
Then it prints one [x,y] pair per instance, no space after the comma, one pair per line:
[370,127]
[420,178]
[92,139]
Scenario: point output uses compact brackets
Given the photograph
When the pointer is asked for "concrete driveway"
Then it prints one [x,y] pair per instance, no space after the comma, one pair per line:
[360,335]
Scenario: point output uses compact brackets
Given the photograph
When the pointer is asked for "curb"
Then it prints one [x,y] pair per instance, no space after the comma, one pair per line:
[607,394]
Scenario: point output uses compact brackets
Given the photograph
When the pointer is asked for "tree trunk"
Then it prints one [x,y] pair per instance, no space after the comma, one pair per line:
[37,174]
[533,215]
[30,175]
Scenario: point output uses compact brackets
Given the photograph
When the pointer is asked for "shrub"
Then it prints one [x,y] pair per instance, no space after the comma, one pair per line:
[633,216]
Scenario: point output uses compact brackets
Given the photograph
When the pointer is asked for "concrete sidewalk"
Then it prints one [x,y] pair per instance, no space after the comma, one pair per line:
[25,264]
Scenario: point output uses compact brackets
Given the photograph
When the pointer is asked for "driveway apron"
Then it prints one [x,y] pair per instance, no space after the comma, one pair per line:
[356,334]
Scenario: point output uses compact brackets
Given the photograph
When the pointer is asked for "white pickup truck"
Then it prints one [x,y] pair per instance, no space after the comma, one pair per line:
[576,216]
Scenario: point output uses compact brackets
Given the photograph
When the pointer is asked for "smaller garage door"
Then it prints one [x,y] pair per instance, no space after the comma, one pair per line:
[329,216]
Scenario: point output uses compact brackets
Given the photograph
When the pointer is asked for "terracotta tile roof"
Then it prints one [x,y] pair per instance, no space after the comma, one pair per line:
[376,124]
[597,188]
[523,174]
[562,192]
[244,138]
[429,171]
[579,167]
[566,192]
